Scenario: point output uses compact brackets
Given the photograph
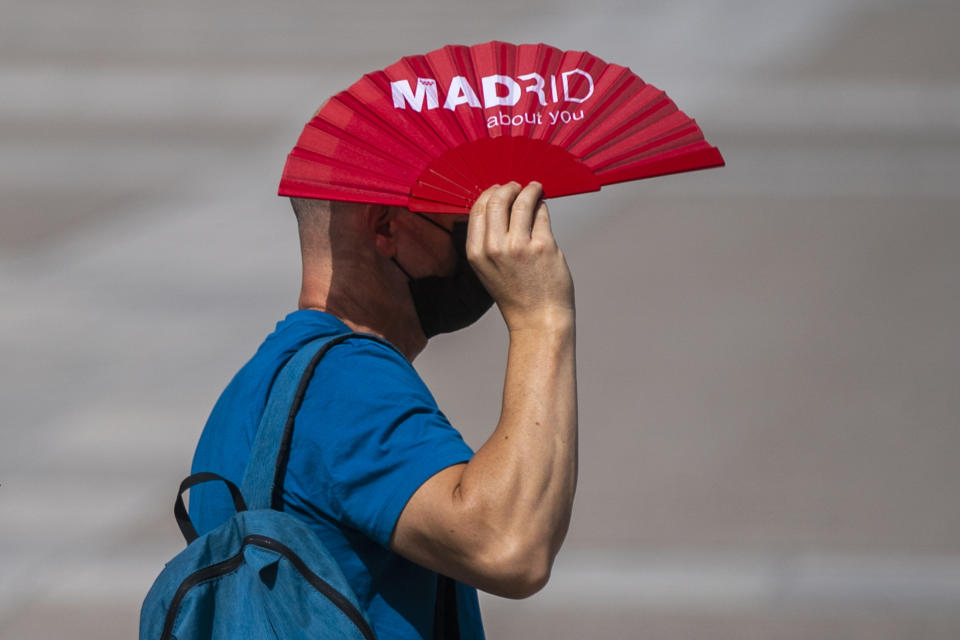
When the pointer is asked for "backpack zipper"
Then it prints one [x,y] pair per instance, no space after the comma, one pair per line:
[231,564]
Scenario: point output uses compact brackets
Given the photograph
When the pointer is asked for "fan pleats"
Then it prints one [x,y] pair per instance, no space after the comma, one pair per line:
[432,131]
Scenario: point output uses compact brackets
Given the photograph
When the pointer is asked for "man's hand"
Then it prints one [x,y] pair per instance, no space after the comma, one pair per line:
[513,251]
[498,521]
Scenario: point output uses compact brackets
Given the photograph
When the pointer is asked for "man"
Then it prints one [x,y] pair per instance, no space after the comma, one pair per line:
[375,469]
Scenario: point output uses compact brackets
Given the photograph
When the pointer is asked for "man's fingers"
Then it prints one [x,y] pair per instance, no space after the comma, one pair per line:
[504,211]
[477,223]
[541,224]
[498,212]
[523,210]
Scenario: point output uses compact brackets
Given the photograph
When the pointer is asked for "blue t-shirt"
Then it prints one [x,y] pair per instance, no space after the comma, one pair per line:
[368,434]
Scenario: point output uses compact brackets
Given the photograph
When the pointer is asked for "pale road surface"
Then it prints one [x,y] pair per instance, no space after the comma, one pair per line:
[768,353]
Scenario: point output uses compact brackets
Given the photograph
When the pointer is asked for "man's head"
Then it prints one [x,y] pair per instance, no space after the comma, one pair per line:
[387,269]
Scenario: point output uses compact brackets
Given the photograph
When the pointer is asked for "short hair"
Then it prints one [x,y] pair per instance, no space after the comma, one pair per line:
[302,207]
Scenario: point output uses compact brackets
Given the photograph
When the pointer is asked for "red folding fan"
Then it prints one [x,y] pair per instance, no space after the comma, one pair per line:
[431,132]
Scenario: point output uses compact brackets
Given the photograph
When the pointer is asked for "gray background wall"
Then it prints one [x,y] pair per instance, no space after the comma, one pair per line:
[768,361]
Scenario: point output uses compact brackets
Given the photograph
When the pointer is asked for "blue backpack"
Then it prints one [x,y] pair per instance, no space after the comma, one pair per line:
[263,573]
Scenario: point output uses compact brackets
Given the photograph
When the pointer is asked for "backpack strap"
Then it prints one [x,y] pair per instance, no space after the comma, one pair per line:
[262,484]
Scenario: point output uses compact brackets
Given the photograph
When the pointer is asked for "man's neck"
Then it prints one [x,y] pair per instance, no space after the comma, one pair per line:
[395,328]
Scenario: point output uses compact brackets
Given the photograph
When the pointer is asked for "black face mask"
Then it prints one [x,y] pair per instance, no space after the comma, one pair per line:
[448,303]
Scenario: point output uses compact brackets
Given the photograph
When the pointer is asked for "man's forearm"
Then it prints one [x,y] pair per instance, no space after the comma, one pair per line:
[525,475]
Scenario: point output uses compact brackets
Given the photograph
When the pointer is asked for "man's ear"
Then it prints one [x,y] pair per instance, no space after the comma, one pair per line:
[381,220]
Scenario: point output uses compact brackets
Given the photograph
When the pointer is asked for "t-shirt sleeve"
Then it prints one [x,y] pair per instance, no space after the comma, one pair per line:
[368,434]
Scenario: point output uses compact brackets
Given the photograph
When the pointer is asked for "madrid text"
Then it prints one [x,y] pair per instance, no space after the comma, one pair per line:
[574,86]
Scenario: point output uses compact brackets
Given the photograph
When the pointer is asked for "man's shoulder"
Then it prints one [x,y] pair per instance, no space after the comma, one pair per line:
[361,368]
[369,369]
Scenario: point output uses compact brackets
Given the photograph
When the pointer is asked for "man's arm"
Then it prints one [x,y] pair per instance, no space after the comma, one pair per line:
[498,521]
